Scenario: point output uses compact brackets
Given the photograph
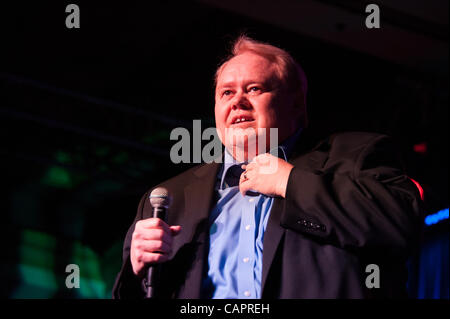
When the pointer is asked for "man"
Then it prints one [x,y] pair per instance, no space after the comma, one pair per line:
[307,229]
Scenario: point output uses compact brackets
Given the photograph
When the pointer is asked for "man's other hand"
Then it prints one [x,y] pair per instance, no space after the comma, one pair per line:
[266,174]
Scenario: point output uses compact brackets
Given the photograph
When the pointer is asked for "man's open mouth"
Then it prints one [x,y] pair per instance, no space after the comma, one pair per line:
[242,119]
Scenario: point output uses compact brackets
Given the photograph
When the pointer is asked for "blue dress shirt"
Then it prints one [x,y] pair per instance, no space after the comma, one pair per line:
[237,226]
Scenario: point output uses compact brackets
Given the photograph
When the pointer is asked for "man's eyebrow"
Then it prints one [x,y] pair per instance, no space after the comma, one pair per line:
[230,84]
[226,84]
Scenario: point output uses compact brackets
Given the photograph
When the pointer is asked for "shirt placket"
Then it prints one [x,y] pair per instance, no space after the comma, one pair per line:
[246,255]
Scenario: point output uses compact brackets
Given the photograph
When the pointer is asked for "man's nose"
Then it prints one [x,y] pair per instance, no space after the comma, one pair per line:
[240,102]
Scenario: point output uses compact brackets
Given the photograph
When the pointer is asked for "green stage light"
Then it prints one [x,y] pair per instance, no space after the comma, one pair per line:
[36,266]
[57,177]
[39,276]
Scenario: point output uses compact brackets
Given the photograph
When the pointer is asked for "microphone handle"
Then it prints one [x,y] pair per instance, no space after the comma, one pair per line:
[159,212]
[153,270]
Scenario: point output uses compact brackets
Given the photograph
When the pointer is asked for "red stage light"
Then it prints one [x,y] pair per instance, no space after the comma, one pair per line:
[420,148]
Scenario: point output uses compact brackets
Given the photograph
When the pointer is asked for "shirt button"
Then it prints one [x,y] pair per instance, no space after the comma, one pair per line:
[246,259]
[247,227]
[247,293]
[251,200]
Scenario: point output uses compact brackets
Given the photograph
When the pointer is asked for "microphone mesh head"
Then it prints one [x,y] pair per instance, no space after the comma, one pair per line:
[160,197]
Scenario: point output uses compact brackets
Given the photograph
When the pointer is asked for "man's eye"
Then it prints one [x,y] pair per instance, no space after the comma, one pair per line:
[254,89]
[226,92]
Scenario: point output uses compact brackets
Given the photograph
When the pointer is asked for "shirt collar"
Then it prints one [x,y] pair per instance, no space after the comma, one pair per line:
[282,151]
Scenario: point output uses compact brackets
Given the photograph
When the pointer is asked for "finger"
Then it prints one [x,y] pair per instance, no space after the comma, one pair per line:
[153,223]
[244,186]
[153,234]
[243,177]
[154,246]
[250,166]
[152,258]
[175,230]
[250,173]
[242,190]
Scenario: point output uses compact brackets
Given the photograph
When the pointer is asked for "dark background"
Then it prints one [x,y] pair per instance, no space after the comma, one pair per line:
[86,114]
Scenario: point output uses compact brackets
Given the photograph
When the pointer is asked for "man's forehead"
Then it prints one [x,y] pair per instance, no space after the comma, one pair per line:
[248,67]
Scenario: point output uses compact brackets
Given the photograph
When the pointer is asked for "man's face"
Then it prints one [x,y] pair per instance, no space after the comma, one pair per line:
[249,88]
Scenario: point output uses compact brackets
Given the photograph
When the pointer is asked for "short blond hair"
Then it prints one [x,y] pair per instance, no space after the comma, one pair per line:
[289,71]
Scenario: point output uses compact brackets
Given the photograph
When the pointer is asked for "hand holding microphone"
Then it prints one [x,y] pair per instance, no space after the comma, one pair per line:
[152,238]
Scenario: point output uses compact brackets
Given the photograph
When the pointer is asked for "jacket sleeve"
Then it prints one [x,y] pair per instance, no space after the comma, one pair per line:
[360,198]
[127,284]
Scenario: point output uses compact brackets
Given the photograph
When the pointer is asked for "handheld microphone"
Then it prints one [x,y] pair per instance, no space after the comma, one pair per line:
[160,201]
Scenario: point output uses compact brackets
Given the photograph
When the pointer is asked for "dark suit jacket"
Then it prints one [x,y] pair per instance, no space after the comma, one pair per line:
[348,204]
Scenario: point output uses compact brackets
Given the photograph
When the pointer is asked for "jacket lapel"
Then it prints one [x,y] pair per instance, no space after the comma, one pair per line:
[272,237]
[197,198]
[303,156]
